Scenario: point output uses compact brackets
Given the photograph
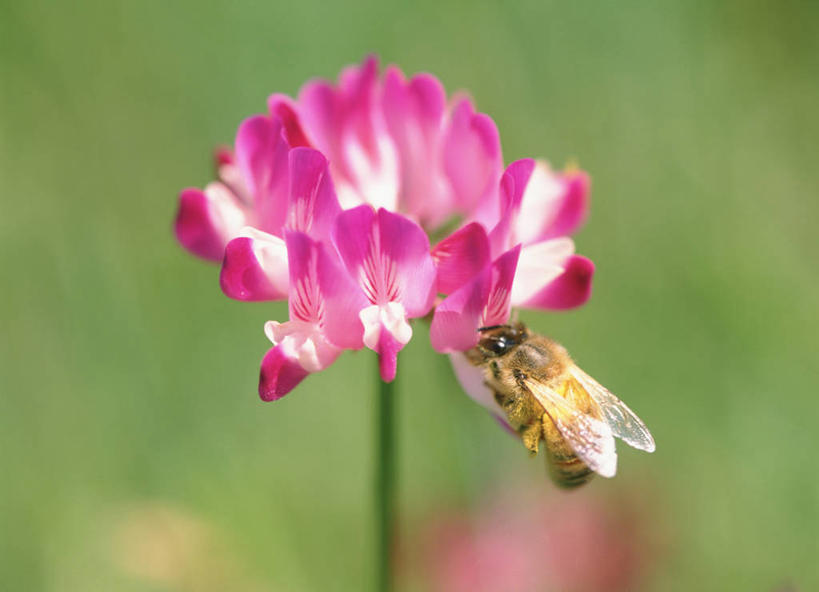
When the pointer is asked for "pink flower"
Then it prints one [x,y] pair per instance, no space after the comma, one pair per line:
[522,261]
[519,542]
[391,142]
[328,201]
[255,263]
[313,337]
[389,257]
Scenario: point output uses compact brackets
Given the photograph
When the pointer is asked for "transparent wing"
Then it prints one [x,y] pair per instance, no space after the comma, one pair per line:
[623,422]
[590,438]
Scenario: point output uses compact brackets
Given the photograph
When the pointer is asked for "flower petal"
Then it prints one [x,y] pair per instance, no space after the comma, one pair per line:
[255,267]
[387,349]
[262,157]
[286,110]
[460,257]
[498,304]
[552,204]
[306,300]
[570,289]
[574,206]
[473,382]
[405,244]
[512,185]
[538,266]
[458,316]
[320,109]
[472,161]
[413,112]
[206,220]
[313,205]
[388,255]
[279,374]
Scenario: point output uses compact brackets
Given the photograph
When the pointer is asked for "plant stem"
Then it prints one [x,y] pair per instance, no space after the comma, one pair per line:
[385,484]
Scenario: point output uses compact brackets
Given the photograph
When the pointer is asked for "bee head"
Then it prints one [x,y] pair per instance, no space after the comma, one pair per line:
[499,339]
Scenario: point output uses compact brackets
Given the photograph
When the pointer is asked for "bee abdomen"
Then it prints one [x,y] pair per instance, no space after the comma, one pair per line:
[568,471]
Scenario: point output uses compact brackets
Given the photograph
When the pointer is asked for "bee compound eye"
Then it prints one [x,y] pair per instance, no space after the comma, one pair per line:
[498,345]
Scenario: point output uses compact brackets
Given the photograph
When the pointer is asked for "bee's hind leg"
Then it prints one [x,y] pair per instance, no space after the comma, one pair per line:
[530,435]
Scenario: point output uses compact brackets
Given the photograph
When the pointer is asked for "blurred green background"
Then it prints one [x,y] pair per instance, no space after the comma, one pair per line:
[127,380]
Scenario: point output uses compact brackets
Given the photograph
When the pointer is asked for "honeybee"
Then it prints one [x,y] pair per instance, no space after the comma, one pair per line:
[545,396]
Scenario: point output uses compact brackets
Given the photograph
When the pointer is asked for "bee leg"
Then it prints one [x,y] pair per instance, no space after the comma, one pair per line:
[530,435]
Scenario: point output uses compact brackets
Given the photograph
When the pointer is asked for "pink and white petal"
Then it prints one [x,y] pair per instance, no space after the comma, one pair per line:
[390,317]
[574,205]
[512,185]
[286,110]
[517,177]
[358,85]
[457,318]
[255,267]
[279,374]
[498,305]
[473,382]
[206,220]
[460,257]
[262,157]
[413,113]
[372,173]
[320,108]
[570,289]
[303,342]
[408,270]
[313,205]
[539,264]
[552,204]
[472,161]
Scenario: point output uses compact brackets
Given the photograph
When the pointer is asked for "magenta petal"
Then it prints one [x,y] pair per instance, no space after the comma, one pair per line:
[243,277]
[514,181]
[472,160]
[198,225]
[279,375]
[389,255]
[320,110]
[313,205]
[388,348]
[413,113]
[261,154]
[306,299]
[569,290]
[498,303]
[341,299]
[574,209]
[406,246]
[351,236]
[460,257]
[285,109]
[457,318]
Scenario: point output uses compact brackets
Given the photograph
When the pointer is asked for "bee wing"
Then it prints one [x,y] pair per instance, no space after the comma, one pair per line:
[590,438]
[622,420]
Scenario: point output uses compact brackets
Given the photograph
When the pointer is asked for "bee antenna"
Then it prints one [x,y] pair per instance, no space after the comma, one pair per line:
[491,327]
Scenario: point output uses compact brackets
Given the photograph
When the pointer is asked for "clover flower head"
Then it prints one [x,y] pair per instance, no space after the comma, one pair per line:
[328,200]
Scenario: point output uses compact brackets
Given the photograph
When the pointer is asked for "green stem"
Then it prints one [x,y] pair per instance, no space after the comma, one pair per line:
[385,484]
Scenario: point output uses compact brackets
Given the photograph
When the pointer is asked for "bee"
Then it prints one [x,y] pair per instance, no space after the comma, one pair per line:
[545,396]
